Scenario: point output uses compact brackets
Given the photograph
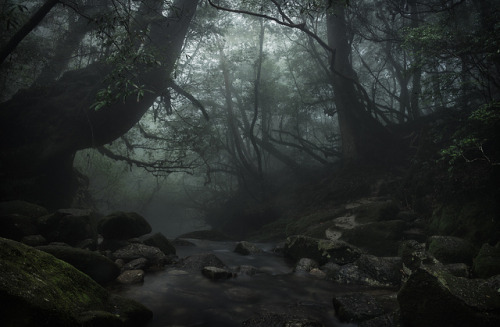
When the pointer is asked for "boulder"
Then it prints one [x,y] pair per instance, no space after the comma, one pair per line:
[196,262]
[433,297]
[34,240]
[22,208]
[247,270]
[123,225]
[386,270]
[487,262]
[160,241]
[36,289]
[67,225]
[216,273]
[356,307]
[450,249]
[135,264]
[322,251]
[136,250]
[412,254]
[131,277]
[378,238]
[376,211]
[306,264]
[210,235]
[246,248]
[16,226]
[95,265]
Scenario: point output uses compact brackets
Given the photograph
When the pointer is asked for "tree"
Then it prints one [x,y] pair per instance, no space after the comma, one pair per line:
[42,127]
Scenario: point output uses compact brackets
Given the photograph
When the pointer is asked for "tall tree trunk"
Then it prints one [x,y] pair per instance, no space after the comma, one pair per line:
[42,127]
[363,138]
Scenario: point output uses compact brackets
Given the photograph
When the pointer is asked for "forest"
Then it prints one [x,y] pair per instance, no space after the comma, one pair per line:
[250,162]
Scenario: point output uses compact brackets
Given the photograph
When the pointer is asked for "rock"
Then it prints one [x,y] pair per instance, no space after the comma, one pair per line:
[487,262]
[356,307]
[181,242]
[95,265]
[281,320]
[67,225]
[458,269]
[139,263]
[36,289]
[306,264]
[34,240]
[87,244]
[112,245]
[131,277]
[387,320]
[412,254]
[159,241]
[16,226]
[22,208]
[215,273]
[385,271]
[376,211]
[246,248]
[123,225]
[196,262]
[378,238]
[136,250]
[433,297]
[450,249]
[210,235]
[317,273]
[322,251]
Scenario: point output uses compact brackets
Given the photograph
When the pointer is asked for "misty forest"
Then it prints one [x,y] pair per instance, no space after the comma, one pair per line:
[252,163]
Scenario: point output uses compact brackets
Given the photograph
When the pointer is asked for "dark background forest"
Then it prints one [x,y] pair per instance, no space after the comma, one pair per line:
[255,118]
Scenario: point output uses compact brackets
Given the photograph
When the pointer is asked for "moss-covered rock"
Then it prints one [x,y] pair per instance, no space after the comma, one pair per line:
[378,238]
[487,262]
[433,297]
[449,249]
[37,289]
[94,264]
[322,251]
[22,208]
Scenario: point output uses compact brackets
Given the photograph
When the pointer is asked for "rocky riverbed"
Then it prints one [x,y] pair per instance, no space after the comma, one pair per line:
[371,265]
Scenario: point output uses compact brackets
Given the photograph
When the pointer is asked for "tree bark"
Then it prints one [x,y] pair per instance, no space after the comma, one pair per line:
[43,127]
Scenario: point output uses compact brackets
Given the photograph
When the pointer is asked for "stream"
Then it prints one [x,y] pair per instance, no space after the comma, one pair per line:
[181,298]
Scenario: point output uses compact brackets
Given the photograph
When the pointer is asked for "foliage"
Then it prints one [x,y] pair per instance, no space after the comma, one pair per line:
[473,141]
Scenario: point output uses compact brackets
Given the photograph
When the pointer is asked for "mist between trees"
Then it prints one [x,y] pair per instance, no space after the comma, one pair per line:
[240,96]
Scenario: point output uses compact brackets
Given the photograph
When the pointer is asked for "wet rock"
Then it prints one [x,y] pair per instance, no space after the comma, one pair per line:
[305,265]
[356,307]
[123,225]
[131,277]
[318,273]
[378,238]
[210,235]
[412,254]
[387,320]
[160,241]
[139,263]
[246,248]
[458,269]
[34,240]
[39,290]
[16,226]
[67,225]
[136,250]
[281,320]
[23,208]
[385,271]
[215,273]
[97,266]
[487,262]
[322,251]
[433,297]
[112,245]
[450,249]
[196,262]
[87,244]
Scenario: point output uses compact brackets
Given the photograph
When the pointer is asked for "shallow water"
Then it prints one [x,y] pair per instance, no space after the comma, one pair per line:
[180,298]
